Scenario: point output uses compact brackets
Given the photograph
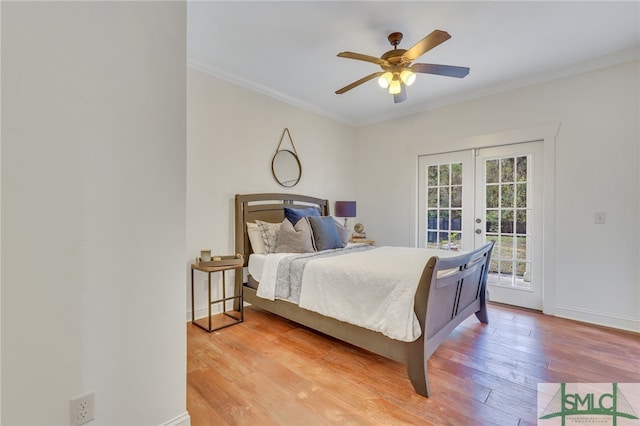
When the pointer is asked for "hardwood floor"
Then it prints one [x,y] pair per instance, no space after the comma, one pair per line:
[270,371]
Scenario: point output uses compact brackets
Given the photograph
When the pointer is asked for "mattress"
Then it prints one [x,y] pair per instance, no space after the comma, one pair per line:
[256,265]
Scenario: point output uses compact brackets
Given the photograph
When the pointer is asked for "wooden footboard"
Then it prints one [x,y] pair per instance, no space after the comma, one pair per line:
[450,290]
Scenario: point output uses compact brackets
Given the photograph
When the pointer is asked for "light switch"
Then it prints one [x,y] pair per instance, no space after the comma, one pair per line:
[600,218]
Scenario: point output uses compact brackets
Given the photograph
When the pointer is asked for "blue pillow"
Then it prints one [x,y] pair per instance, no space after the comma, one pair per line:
[324,232]
[294,215]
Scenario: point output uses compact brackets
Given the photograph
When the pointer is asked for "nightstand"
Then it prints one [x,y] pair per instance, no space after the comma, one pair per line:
[225,319]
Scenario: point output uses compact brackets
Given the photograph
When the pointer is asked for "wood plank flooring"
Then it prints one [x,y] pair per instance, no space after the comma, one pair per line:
[270,371]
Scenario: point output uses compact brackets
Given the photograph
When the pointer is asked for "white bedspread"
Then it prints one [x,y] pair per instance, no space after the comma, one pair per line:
[374,289]
[267,287]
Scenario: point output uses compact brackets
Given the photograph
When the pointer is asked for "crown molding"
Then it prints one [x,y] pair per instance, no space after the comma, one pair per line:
[223,75]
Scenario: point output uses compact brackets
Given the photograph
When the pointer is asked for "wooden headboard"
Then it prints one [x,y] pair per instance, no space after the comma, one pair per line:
[269,208]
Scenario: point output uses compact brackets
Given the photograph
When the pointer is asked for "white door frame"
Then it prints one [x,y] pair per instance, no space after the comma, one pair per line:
[547,134]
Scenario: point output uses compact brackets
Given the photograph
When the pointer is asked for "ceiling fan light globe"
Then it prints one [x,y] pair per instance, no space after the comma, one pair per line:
[408,77]
[395,87]
[385,79]
[383,83]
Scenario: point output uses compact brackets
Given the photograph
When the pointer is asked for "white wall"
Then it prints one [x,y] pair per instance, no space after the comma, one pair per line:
[597,276]
[232,134]
[0,221]
[93,211]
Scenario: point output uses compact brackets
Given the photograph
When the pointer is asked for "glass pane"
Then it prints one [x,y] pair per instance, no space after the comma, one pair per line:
[454,241]
[521,267]
[432,219]
[521,221]
[521,169]
[492,196]
[443,236]
[492,220]
[493,266]
[521,195]
[444,219]
[456,196]
[432,173]
[506,222]
[506,247]
[507,170]
[444,197]
[521,248]
[456,220]
[444,174]
[507,195]
[506,267]
[432,237]
[492,171]
[456,174]
[432,197]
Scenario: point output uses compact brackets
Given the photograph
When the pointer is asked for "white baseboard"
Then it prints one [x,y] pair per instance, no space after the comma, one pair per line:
[202,312]
[598,318]
[182,420]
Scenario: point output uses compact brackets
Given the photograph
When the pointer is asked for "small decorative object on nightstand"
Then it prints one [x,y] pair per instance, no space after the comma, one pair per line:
[217,264]
[359,236]
[205,255]
[360,241]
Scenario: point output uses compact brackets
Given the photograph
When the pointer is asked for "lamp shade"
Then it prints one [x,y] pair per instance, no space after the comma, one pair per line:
[345,209]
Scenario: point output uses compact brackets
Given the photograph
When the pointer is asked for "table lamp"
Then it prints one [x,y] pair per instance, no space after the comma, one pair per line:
[345,209]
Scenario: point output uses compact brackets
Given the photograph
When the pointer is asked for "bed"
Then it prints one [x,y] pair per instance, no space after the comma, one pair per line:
[448,291]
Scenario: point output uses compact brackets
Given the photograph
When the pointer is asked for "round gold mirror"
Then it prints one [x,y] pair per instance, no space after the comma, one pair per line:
[286,168]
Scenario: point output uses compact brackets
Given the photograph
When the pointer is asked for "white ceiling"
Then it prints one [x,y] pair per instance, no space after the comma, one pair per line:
[288,49]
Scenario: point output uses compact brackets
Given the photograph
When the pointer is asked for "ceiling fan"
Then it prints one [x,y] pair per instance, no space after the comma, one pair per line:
[397,70]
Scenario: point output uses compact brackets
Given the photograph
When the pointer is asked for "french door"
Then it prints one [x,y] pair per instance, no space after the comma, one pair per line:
[470,197]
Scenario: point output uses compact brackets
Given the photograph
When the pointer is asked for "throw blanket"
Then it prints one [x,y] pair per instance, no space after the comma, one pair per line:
[373,289]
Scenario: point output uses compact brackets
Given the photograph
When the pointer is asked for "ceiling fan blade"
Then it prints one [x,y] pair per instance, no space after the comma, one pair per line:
[446,70]
[359,82]
[429,42]
[402,96]
[361,57]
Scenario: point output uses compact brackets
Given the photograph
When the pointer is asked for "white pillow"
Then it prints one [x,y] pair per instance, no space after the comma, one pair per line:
[255,238]
[269,234]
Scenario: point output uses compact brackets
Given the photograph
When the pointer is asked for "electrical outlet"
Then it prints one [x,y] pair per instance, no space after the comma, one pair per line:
[82,409]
